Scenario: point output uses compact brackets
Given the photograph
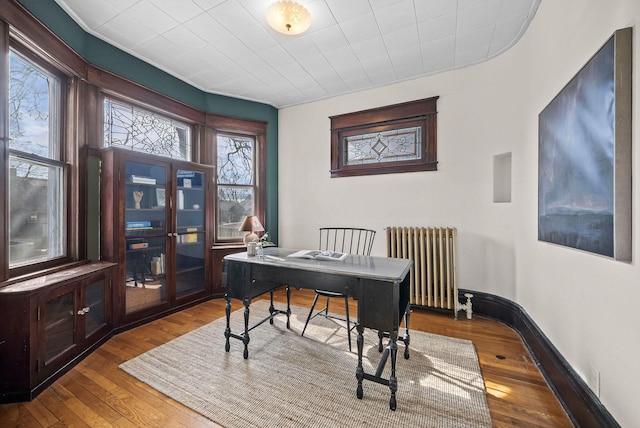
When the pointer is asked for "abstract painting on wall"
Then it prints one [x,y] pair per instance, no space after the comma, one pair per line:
[584,159]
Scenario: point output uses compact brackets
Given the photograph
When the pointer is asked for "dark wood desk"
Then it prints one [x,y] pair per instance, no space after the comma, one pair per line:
[379,284]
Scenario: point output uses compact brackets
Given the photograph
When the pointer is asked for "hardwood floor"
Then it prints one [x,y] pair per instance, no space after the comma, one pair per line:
[96,393]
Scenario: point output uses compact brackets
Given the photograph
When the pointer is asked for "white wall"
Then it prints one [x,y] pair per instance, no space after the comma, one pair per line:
[582,302]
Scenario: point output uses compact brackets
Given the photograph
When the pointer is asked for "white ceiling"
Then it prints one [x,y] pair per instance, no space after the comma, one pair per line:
[226,46]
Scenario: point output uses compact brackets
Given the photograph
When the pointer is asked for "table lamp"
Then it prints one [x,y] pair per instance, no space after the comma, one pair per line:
[251,224]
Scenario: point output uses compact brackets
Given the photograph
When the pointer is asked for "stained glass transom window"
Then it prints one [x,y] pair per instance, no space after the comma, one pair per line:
[145,131]
[385,140]
[387,146]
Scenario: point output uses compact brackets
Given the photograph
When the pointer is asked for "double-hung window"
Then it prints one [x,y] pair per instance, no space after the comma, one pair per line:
[37,226]
[236,161]
[240,156]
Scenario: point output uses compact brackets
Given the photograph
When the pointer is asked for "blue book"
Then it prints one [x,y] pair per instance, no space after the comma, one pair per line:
[137,224]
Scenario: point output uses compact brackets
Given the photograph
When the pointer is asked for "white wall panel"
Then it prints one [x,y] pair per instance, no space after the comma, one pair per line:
[582,302]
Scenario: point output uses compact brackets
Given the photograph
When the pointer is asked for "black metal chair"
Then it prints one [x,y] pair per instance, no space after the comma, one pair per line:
[349,240]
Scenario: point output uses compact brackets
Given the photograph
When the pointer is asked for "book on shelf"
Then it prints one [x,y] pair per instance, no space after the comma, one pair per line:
[138,179]
[192,236]
[319,255]
[180,199]
[133,225]
[138,245]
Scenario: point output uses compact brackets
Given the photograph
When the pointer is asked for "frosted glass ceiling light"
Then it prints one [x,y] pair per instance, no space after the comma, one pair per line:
[288,17]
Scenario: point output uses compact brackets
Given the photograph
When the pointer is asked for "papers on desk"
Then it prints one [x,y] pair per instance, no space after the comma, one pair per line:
[319,255]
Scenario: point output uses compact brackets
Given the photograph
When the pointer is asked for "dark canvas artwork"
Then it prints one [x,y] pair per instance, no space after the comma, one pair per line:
[577,157]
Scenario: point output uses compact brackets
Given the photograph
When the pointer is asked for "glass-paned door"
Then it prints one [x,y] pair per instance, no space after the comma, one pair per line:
[190,229]
[59,325]
[146,235]
[94,309]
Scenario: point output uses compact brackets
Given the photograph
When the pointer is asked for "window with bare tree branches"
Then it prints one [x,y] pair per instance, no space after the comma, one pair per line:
[236,184]
[37,217]
[240,158]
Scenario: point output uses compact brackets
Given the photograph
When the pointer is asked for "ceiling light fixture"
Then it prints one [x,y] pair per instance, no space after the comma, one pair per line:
[288,17]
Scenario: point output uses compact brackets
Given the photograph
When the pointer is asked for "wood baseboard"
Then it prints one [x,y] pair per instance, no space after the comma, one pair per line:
[582,405]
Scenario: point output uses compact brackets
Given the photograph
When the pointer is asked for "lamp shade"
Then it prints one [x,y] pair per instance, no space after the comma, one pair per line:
[288,17]
[251,224]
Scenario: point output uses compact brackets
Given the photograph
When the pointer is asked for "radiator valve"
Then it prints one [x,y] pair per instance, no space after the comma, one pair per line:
[466,306]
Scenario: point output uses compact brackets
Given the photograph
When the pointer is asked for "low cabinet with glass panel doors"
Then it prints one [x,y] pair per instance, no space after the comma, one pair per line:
[154,225]
[53,320]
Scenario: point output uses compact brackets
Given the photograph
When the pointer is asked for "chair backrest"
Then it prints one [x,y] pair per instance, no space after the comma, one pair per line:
[351,240]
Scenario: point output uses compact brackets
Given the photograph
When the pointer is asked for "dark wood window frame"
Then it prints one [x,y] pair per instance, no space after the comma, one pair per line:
[250,128]
[68,113]
[420,113]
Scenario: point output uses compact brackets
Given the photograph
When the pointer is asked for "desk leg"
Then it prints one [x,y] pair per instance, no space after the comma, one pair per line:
[360,369]
[288,306]
[393,381]
[407,338]
[272,309]
[245,337]
[227,331]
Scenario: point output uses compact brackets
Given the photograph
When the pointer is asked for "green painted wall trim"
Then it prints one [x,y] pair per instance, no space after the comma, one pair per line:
[109,57]
[57,20]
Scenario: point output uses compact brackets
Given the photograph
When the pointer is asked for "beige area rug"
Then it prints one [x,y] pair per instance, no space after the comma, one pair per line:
[294,381]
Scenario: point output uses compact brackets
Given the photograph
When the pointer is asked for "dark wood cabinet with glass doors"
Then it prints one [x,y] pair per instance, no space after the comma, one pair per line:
[155,226]
[51,321]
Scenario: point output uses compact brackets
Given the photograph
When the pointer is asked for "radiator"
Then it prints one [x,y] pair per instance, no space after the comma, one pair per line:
[433,276]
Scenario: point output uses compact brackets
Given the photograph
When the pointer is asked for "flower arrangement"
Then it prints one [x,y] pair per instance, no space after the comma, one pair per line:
[264,240]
